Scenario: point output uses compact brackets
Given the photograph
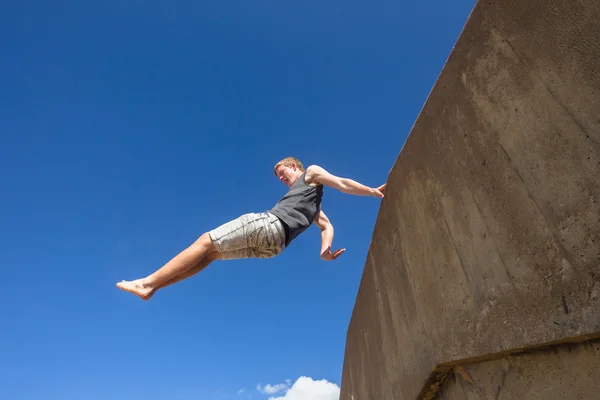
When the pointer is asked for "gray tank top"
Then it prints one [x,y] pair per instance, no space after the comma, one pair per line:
[299,207]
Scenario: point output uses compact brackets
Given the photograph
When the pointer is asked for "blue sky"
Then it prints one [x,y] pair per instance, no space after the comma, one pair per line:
[129,128]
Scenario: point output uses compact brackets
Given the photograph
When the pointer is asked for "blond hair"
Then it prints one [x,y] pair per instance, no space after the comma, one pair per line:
[287,162]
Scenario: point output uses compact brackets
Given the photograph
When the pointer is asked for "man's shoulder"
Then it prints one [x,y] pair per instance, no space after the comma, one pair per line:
[313,170]
[311,174]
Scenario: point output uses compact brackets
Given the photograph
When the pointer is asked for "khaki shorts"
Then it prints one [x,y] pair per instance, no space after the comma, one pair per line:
[254,235]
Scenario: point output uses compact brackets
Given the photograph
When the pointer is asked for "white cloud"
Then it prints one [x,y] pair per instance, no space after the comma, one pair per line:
[241,391]
[272,389]
[305,388]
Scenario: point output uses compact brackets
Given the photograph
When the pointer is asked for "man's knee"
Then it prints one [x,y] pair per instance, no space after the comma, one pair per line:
[213,256]
[206,241]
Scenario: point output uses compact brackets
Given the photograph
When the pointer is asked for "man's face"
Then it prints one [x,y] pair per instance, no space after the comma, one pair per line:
[287,175]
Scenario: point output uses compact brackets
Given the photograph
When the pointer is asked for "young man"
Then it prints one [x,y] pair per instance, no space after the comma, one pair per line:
[260,235]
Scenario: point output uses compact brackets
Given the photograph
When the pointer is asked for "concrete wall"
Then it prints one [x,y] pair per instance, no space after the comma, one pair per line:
[557,373]
[488,240]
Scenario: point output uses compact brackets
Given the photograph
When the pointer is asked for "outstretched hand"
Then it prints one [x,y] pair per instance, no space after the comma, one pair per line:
[380,191]
[327,255]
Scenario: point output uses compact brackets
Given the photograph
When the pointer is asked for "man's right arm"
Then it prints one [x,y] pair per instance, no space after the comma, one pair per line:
[316,174]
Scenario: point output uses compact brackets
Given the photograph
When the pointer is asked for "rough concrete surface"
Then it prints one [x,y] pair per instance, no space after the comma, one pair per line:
[488,239]
[554,374]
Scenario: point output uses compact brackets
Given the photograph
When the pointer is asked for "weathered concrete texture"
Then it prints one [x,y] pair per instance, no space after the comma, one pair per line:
[558,373]
[488,239]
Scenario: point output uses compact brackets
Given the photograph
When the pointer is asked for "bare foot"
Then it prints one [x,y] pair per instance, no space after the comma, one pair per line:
[150,294]
[136,287]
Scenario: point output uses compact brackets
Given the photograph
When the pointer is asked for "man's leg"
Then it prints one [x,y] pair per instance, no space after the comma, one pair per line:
[249,236]
[209,258]
[180,264]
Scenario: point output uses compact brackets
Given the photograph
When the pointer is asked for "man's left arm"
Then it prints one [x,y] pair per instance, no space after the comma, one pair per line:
[318,175]
[322,221]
